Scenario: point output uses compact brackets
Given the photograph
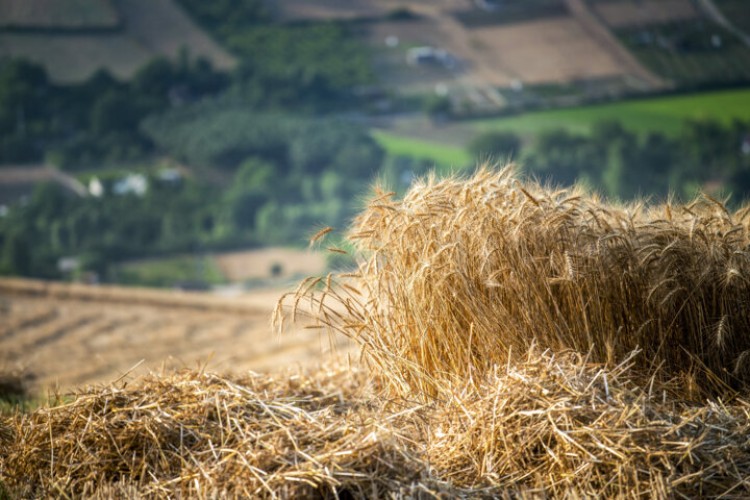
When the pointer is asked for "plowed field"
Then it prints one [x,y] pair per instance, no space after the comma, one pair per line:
[72,335]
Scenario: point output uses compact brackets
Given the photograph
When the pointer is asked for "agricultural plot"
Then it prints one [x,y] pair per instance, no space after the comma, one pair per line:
[548,50]
[627,13]
[444,155]
[665,114]
[149,29]
[66,335]
[259,265]
[690,52]
[270,263]
[737,12]
[58,14]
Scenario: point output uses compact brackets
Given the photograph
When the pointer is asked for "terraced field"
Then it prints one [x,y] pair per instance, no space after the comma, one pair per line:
[72,335]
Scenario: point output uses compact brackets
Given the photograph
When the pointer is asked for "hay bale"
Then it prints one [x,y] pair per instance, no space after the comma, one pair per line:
[463,272]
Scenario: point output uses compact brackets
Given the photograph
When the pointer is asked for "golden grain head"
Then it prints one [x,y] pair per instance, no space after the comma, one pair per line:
[517,263]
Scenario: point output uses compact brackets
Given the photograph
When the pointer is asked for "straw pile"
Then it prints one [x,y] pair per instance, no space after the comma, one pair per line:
[546,426]
[567,429]
[460,274]
[196,434]
[524,343]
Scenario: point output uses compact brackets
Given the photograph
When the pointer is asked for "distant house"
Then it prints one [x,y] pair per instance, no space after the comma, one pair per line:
[136,184]
[96,188]
[430,56]
[19,181]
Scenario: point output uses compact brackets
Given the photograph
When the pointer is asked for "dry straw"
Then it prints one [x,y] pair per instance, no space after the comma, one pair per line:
[199,435]
[462,282]
[547,426]
[462,273]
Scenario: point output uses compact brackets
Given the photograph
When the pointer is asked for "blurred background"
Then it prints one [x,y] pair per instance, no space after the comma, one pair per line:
[194,144]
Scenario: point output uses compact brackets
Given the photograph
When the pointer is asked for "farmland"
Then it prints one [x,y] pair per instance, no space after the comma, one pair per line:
[662,114]
[659,114]
[142,31]
[59,14]
[70,335]
[443,155]
[257,266]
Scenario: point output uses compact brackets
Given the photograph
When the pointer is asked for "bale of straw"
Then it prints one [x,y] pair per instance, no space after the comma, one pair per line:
[463,272]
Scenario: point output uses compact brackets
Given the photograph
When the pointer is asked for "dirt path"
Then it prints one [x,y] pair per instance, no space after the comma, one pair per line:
[71,335]
[606,39]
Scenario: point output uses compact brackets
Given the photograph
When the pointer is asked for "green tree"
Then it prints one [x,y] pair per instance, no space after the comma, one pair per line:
[494,145]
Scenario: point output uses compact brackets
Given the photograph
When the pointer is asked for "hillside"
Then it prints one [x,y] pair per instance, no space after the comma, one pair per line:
[76,38]
[58,15]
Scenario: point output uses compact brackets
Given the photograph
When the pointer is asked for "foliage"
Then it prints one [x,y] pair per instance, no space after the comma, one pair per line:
[97,121]
[53,224]
[498,146]
[227,16]
[690,53]
[306,66]
[705,154]
[286,175]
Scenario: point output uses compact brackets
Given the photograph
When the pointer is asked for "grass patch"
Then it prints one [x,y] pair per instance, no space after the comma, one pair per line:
[171,271]
[663,114]
[444,157]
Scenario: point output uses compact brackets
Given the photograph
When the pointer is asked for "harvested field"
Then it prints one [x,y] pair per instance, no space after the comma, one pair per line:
[69,335]
[58,14]
[149,29]
[630,13]
[556,49]
[164,28]
[295,10]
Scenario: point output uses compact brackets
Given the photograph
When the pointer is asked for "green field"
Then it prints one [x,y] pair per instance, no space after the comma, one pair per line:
[659,114]
[445,157]
[664,114]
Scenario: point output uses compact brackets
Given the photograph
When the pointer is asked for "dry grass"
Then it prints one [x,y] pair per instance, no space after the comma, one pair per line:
[460,274]
[197,435]
[463,281]
[567,429]
[546,426]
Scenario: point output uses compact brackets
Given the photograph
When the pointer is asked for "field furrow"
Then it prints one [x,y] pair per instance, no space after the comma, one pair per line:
[66,336]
